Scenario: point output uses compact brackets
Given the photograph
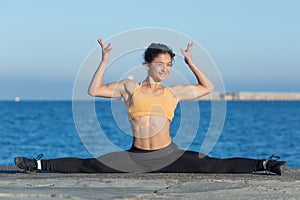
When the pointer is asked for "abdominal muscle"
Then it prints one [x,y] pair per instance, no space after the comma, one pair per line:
[151,132]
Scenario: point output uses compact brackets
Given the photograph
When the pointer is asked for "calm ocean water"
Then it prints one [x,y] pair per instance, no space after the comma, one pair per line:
[253,129]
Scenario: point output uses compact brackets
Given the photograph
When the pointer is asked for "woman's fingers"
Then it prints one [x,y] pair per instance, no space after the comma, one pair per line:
[102,44]
[182,51]
[188,53]
[100,41]
[108,46]
[189,47]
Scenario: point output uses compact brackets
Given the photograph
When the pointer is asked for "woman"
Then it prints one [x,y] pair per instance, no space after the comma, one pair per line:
[151,110]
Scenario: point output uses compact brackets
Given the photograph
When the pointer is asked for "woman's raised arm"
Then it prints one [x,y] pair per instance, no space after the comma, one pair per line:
[193,91]
[97,88]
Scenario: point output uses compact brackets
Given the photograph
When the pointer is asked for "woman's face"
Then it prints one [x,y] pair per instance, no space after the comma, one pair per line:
[160,68]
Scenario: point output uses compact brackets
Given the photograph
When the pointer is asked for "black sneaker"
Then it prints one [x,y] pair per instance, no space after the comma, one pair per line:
[275,166]
[27,164]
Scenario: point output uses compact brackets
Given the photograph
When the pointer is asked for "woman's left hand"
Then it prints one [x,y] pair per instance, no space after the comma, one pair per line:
[188,54]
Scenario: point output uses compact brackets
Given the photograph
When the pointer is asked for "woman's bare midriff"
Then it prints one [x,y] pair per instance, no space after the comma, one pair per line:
[151,132]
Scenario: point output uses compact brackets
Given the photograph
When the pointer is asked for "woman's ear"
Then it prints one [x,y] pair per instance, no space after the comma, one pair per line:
[147,65]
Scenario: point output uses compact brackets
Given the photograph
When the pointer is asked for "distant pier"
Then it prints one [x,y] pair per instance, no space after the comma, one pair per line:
[253,96]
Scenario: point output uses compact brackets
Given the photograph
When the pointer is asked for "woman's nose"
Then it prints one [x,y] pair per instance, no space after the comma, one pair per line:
[164,68]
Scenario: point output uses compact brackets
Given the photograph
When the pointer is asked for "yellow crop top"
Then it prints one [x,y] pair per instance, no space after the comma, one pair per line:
[147,105]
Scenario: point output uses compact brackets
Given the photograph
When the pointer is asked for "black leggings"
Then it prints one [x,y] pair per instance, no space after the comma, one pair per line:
[169,159]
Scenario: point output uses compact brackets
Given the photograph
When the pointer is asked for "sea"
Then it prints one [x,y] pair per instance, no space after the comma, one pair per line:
[250,129]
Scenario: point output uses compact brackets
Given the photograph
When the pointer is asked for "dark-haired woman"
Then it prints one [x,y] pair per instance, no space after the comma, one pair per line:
[151,110]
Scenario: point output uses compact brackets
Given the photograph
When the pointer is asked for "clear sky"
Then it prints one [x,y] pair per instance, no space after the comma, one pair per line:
[255,44]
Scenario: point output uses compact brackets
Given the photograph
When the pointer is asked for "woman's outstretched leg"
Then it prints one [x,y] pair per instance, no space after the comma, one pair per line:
[64,165]
[194,162]
[109,163]
[76,165]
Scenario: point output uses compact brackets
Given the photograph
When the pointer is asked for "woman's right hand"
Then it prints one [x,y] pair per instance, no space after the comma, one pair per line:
[105,50]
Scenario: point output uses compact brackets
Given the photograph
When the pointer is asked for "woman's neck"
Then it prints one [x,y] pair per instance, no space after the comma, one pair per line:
[151,82]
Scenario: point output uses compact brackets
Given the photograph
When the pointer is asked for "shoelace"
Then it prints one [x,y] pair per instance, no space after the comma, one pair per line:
[275,157]
[39,156]
[272,157]
[36,159]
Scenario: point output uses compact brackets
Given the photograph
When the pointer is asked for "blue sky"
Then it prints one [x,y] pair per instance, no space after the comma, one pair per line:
[255,44]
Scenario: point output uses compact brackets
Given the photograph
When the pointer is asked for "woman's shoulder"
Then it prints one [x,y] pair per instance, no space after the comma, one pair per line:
[130,84]
[175,88]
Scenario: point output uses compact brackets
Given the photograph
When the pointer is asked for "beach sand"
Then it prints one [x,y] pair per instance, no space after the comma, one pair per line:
[20,185]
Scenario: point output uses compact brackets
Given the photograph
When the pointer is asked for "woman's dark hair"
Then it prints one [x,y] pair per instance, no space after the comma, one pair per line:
[155,49]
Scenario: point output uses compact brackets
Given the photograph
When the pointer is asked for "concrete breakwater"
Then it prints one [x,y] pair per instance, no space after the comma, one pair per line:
[18,185]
